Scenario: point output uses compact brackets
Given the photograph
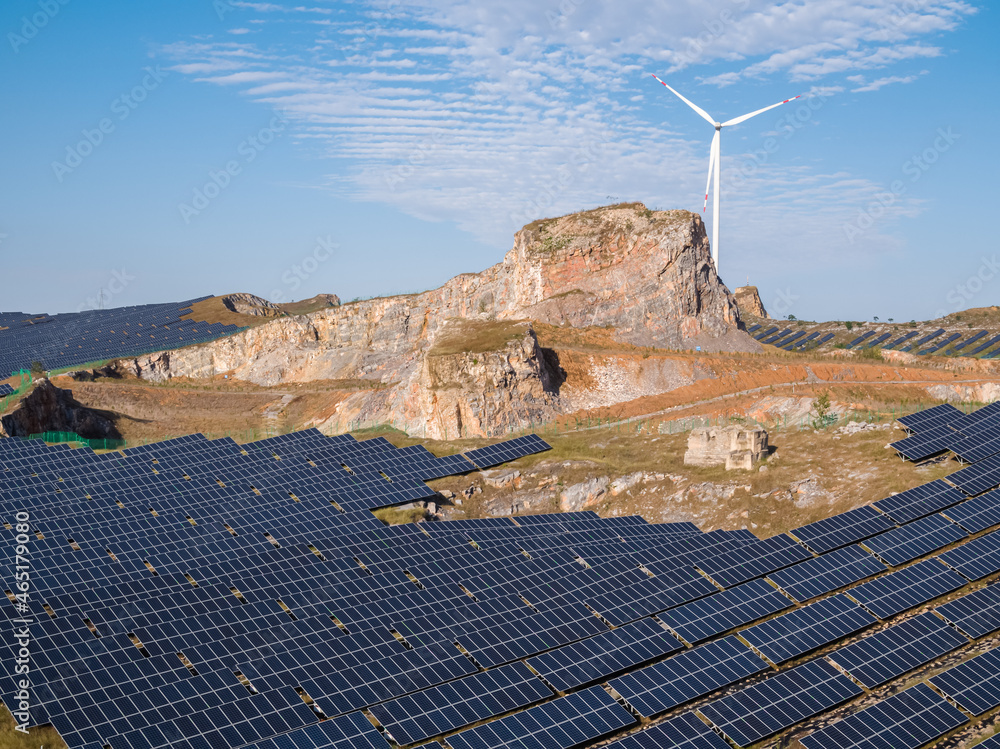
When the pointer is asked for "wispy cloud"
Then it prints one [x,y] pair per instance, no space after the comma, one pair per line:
[485,113]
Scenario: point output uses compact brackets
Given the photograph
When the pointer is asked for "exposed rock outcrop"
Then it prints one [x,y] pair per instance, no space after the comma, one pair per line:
[248,304]
[50,409]
[748,300]
[736,447]
[645,274]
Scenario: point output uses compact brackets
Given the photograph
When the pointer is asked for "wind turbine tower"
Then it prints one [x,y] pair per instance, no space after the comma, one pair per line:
[714,162]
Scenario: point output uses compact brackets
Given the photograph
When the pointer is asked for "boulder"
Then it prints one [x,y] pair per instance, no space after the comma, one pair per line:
[735,447]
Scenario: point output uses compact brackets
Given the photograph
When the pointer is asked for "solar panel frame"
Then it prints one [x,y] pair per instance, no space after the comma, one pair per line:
[827,573]
[894,651]
[919,501]
[977,614]
[974,684]
[843,529]
[806,629]
[907,720]
[779,702]
[906,588]
[914,540]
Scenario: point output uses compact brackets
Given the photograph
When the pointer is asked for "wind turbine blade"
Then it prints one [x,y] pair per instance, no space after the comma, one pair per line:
[745,117]
[695,107]
[712,156]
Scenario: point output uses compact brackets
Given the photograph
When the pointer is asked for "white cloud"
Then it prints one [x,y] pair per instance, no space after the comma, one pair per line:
[491,114]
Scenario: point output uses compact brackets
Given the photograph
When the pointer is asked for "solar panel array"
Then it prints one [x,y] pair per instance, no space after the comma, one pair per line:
[75,338]
[200,594]
[922,343]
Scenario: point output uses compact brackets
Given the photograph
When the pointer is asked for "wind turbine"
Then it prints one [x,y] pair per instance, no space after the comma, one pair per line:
[714,160]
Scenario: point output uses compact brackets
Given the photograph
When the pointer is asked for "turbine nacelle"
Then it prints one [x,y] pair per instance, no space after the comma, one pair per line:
[715,158]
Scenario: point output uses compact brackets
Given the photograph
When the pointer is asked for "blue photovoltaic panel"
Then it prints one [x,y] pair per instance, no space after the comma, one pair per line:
[861,338]
[721,612]
[777,336]
[903,589]
[560,724]
[843,529]
[924,340]
[974,684]
[503,452]
[780,701]
[977,614]
[683,732]
[827,573]
[914,540]
[460,703]
[983,346]
[754,328]
[976,559]
[901,340]
[970,340]
[892,652]
[804,630]
[601,656]
[907,720]
[353,731]
[979,477]
[687,676]
[931,417]
[754,560]
[5,389]
[979,444]
[875,342]
[925,444]
[940,344]
[978,513]
[766,333]
[919,501]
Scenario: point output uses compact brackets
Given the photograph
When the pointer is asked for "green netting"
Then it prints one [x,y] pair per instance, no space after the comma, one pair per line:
[74,438]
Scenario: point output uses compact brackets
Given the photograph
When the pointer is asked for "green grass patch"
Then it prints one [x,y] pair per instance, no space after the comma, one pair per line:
[398,516]
[476,336]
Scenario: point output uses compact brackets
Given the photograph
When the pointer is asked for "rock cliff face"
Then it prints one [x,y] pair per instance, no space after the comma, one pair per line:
[51,409]
[748,300]
[645,274]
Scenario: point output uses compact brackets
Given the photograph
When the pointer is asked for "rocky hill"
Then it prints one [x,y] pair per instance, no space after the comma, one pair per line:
[464,358]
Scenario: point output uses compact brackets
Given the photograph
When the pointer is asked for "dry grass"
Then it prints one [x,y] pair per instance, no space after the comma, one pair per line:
[475,336]
[398,516]
[48,737]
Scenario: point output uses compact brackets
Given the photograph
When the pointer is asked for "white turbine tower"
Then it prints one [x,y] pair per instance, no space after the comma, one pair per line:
[714,160]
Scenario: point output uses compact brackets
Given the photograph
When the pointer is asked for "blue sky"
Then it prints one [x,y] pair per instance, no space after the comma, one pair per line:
[161,151]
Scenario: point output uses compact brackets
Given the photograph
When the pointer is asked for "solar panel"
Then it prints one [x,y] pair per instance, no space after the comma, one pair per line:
[914,540]
[804,630]
[754,560]
[976,559]
[843,529]
[979,477]
[906,588]
[687,676]
[460,703]
[901,340]
[925,339]
[683,732]
[974,684]
[780,701]
[925,444]
[766,333]
[940,344]
[863,337]
[827,573]
[892,652]
[503,452]
[936,416]
[920,501]
[907,720]
[559,724]
[977,614]
[970,340]
[721,612]
[601,656]
[978,513]
[983,346]
[876,341]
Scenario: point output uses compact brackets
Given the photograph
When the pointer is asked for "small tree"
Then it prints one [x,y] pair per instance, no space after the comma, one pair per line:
[822,407]
[875,318]
[792,317]
[890,319]
[37,370]
[849,325]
